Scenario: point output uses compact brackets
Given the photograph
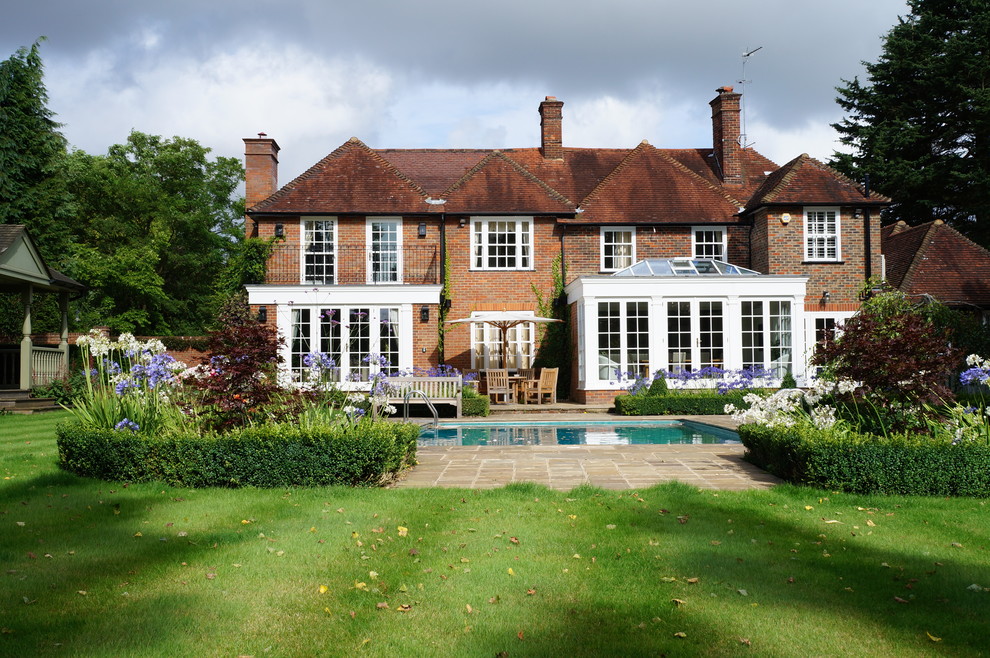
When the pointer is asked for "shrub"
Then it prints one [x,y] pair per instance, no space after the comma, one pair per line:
[904,464]
[691,403]
[272,455]
[64,390]
[658,387]
[473,404]
[788,381]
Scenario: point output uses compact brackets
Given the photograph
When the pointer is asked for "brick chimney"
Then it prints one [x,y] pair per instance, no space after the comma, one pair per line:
[261,168]
[725,135]
[551,138]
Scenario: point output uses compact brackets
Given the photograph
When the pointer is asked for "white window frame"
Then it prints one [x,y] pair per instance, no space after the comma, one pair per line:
[632,333]
[379,323]
[486,345]
[700,342]
[304,250]
[603,242]
[818,237]
[482,233]
[369,223]
[697,246]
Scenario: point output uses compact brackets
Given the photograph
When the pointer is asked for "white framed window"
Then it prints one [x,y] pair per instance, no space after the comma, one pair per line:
[319,254]
[384,236]
[348,335]
[821,234]
[502,243]
[623,339]
[767,340]
[618,247]
[709,242]
[695,334]
[486,346]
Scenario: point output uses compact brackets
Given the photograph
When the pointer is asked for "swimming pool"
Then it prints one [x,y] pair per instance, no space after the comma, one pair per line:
[609,432]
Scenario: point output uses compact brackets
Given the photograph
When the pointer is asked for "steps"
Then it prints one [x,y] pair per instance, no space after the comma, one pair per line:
[21,402]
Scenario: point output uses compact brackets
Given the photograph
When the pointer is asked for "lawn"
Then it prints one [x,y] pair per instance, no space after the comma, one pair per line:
[108,569]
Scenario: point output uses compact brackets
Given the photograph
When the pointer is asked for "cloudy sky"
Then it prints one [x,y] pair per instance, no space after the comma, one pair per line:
[439,73]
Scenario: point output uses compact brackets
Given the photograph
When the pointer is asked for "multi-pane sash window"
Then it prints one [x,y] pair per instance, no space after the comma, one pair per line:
[679,336]
[780,338]
[821,234]
[709,243]
[384,250]
[618,248]
[318,251]
[501,243]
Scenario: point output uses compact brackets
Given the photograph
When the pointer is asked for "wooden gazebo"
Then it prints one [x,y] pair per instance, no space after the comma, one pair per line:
[23,270]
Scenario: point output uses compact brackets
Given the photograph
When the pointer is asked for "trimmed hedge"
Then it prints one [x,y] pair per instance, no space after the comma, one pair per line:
[707,403]
[475,406]
[863,463]
[264,456]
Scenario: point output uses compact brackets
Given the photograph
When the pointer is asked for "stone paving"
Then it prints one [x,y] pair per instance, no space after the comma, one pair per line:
[711,466]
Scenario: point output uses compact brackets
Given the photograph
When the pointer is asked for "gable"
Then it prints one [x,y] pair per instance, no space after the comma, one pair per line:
[19,258]
[806,181]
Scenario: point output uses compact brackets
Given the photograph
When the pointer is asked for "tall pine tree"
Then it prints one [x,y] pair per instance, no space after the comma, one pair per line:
[919,127]
[32,150]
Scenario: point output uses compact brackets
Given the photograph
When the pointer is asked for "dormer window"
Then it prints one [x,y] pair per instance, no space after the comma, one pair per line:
[821,234]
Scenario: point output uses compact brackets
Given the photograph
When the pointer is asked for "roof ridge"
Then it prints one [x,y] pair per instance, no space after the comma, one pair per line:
[838,174]
[518,168]
[919,255]
[623,163]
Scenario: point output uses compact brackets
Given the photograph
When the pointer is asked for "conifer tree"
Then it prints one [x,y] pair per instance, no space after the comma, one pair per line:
[919,126]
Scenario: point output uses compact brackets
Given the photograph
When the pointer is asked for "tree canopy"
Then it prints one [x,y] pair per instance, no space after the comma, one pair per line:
[156,223]
[919,126]
[152,227]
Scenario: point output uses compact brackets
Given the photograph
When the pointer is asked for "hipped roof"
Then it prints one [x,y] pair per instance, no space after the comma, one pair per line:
[588,186]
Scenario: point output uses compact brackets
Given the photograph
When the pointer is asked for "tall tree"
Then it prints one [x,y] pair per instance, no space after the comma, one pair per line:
[919,126]
[32,151]
[156,222]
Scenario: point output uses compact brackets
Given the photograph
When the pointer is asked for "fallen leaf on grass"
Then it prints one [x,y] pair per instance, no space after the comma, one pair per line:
[668,579]
[693,581]
[932,637]
[382,606]
[900,600]
[743,592]
[519,635]
[324,589]
[404,607]
[403,531]
[745,640]
[468,608]
[361,586]
[510,571]
[678,602]
[513,540]
[530,592]
[680,634]
[956,544]
[83,592]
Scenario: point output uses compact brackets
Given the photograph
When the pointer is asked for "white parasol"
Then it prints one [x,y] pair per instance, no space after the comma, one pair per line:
[504,320]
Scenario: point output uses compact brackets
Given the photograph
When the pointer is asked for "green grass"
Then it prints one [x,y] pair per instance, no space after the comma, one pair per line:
[104,569]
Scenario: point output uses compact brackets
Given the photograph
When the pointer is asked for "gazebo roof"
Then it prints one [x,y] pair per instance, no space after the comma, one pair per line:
[21,264]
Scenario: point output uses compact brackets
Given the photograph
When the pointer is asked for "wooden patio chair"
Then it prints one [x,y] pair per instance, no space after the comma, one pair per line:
[546,386]
[497,384]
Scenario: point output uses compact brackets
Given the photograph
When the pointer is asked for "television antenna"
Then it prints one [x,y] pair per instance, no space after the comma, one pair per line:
[743,82]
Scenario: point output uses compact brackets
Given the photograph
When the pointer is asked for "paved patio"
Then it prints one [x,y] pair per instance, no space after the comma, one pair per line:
[711,466]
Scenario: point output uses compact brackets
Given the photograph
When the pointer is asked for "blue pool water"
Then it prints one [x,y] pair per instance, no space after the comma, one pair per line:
[610,432]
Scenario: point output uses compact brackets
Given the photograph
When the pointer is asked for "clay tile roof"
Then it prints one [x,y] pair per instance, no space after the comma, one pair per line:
[352,179]
[649,186]
[806,181]
[498,184]
[935,259]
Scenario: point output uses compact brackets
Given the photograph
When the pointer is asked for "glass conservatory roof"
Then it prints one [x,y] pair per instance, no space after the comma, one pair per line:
[684,267]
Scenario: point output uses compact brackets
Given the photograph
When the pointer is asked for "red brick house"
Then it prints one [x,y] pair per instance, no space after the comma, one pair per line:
[671,258]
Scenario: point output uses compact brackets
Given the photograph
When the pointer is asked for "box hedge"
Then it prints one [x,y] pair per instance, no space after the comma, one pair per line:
[700,403]
[864,463]
[369,454]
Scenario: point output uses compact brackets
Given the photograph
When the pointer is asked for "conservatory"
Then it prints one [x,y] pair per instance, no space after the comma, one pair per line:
[686,314]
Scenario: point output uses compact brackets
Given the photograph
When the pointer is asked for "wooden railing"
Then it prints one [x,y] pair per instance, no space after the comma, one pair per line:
[47,364]
[437,389]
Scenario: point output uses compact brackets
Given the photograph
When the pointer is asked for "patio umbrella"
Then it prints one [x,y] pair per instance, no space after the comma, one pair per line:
[504,320]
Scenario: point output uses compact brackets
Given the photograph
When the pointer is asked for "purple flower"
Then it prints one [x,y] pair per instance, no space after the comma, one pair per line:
[127,424]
